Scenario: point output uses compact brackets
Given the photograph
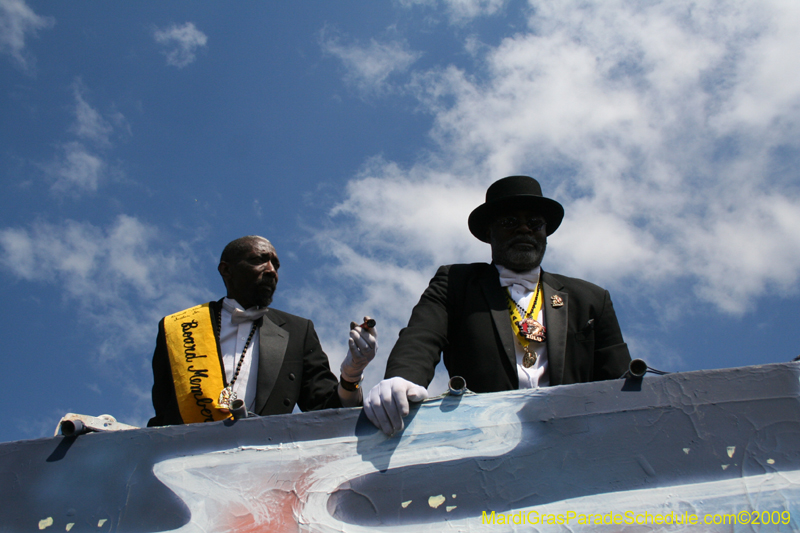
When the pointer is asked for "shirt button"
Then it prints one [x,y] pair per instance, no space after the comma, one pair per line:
[291,377]
[287,402]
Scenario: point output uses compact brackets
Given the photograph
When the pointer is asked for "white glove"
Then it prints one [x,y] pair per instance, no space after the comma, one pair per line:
[363,347]
[387,403]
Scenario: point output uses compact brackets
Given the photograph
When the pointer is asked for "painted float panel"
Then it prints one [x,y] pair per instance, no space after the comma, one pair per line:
[706,444]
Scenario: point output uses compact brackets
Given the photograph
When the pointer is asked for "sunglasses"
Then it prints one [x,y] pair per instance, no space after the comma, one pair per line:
[511,222]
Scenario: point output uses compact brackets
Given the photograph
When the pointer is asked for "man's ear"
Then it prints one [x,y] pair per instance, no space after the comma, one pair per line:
[224,270]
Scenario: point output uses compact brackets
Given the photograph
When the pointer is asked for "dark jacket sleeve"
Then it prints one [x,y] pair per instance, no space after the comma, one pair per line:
[165,401]
[611,356]
[418,348]
[320,388]
[304,378]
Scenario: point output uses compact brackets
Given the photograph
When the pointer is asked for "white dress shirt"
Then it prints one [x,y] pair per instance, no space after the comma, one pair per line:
[232,337]
[522,285]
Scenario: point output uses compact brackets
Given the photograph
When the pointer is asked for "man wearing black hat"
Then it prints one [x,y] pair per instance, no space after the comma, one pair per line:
[506,325]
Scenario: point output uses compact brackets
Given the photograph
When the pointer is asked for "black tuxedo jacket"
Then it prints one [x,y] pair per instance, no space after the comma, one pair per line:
[292,369]
[463,314]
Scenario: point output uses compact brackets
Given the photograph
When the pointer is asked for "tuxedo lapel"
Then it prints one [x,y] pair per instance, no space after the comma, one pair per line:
[272,342]
[555,319]
[498,307]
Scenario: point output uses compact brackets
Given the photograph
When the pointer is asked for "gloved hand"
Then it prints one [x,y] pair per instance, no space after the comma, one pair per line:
[363,344]
[387,403]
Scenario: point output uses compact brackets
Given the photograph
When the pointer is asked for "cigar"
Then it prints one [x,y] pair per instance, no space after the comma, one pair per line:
[368,323]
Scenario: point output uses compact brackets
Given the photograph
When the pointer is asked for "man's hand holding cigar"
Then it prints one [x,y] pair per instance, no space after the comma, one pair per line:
[363,345]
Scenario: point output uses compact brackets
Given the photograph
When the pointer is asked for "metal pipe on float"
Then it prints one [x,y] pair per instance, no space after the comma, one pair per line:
[637,368]
[238,410]
[457,386]
[71,428]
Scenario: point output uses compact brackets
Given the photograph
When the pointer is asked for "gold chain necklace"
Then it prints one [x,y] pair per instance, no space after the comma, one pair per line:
[528,328]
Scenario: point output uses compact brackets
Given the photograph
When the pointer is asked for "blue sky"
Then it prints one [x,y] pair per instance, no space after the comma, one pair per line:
[137,139]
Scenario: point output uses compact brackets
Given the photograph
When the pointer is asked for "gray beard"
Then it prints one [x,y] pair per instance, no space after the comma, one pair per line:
[264,302]
[263,295]
[518,260]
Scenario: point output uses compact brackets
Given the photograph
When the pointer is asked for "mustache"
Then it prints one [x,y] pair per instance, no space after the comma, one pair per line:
[264,291]
[268,284]
[524,239]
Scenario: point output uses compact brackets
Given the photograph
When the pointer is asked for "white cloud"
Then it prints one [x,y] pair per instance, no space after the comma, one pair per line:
[662,128]
[77,171]
[81,167]
[369,66]
[120,278]
[89,123]
[461,11]
[181,43]
[17,21]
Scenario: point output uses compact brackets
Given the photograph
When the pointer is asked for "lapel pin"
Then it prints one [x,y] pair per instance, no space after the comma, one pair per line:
[556,301]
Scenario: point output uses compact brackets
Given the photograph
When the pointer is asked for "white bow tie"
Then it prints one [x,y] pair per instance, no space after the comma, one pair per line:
[239,315]
[527,279]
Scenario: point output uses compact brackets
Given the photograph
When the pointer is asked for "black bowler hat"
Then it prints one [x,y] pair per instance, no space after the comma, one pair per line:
[514,192]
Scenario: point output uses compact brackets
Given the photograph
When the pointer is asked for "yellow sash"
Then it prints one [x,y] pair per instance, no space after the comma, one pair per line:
[513,311]
[196,365]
